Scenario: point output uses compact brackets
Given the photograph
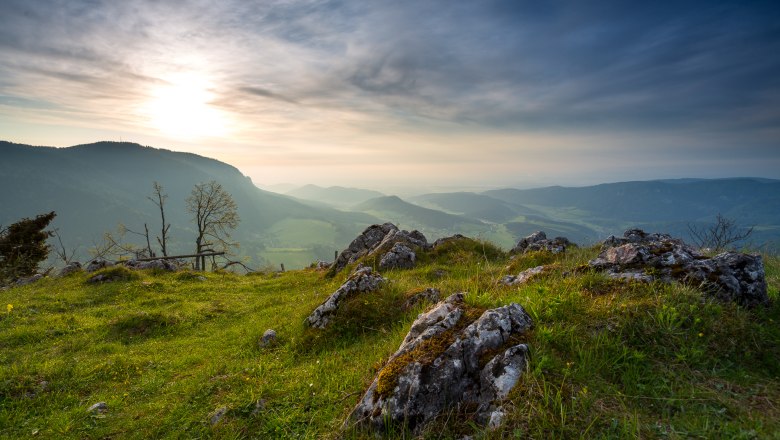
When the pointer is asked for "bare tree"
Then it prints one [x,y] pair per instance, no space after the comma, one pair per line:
[61,250]
[722,235]
[214,213]
[158,198]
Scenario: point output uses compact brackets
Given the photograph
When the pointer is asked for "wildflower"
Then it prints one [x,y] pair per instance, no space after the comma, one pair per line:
[701,334]
[9,307]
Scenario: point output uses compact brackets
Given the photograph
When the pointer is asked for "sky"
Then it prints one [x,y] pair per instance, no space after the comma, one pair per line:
[419,93]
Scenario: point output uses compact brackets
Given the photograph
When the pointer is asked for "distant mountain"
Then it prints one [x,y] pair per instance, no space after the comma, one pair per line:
[336,196]
[475,206]
[667,206]
[431,222]
[94,187]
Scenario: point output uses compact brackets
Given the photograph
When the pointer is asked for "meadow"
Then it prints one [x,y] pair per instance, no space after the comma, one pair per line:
[176,355]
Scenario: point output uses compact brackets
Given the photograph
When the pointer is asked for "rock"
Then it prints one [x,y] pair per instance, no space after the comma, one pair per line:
[321,265]
[450,239]
[639,256]
[268,338]
[70,268]
[431,294]
[362,280]
[98,408]
[398,257]
[98,264]
[216,416]
[439,366]
[538,242]
[164,265]
[378,240]
[28,280]
[523,277]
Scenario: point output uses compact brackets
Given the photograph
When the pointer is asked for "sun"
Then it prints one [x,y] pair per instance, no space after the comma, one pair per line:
[182,109]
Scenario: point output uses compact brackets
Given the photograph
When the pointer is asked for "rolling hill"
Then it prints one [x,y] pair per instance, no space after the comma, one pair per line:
[336,196]
[95,187]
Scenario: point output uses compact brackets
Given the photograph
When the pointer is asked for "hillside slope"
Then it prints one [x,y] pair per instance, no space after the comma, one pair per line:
[97,186]
[177,354]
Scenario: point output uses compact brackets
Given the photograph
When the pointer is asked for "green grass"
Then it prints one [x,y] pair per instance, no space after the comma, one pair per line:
[165,351]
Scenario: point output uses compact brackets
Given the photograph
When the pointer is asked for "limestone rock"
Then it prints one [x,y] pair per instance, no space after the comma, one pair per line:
[378,240]
[216,416]
[98,408]
[98,264]
[523,277]
[439,366]
[538,241]
[268,338]
[398,257]
[70,268]
[164,265]
[639,256]
[362,280]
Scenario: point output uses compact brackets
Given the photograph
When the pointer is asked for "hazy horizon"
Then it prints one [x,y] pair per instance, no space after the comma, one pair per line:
[409,94]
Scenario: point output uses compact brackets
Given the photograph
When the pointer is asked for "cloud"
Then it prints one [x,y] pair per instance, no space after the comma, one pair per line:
[330,73]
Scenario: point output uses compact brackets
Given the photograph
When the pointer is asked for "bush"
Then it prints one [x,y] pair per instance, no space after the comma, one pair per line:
[23,246]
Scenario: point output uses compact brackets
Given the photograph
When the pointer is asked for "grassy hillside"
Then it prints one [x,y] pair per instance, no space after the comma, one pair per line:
[167,350]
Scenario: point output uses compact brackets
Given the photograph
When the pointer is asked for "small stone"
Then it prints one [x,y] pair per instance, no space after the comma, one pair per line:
[216,416]
[99,408]
[268,338]
[362,280]
[399,257]
[538,241]
[28,280]
[523,277]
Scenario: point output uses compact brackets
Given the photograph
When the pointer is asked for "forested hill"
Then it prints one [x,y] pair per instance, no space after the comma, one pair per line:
[95,187]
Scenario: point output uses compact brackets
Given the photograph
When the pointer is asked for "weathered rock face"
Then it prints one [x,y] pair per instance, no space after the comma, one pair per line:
[166,265]
[445,362]
[378,240]
[398,257]
[98,264]
[523,277]
[538,241]
[362,280]
[639,256]
[70,268]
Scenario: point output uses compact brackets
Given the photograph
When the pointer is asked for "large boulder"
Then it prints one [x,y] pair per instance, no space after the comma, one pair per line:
[538,241]
[640,256]
[378,240]
[362,280]
[450,358]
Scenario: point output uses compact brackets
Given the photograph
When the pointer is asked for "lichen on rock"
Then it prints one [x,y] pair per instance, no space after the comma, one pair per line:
[538,241]
[453,355]
[379,241]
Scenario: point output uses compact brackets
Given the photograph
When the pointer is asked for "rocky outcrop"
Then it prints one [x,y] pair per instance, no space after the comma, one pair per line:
[538,241]
[377,240]
[523,277]
[398,257]
[450,358]
[167,265]
[98,264]
[70,268]
[362,280]
[639,256]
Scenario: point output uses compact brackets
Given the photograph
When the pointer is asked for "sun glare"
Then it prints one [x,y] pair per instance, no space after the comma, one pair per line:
[182,109]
